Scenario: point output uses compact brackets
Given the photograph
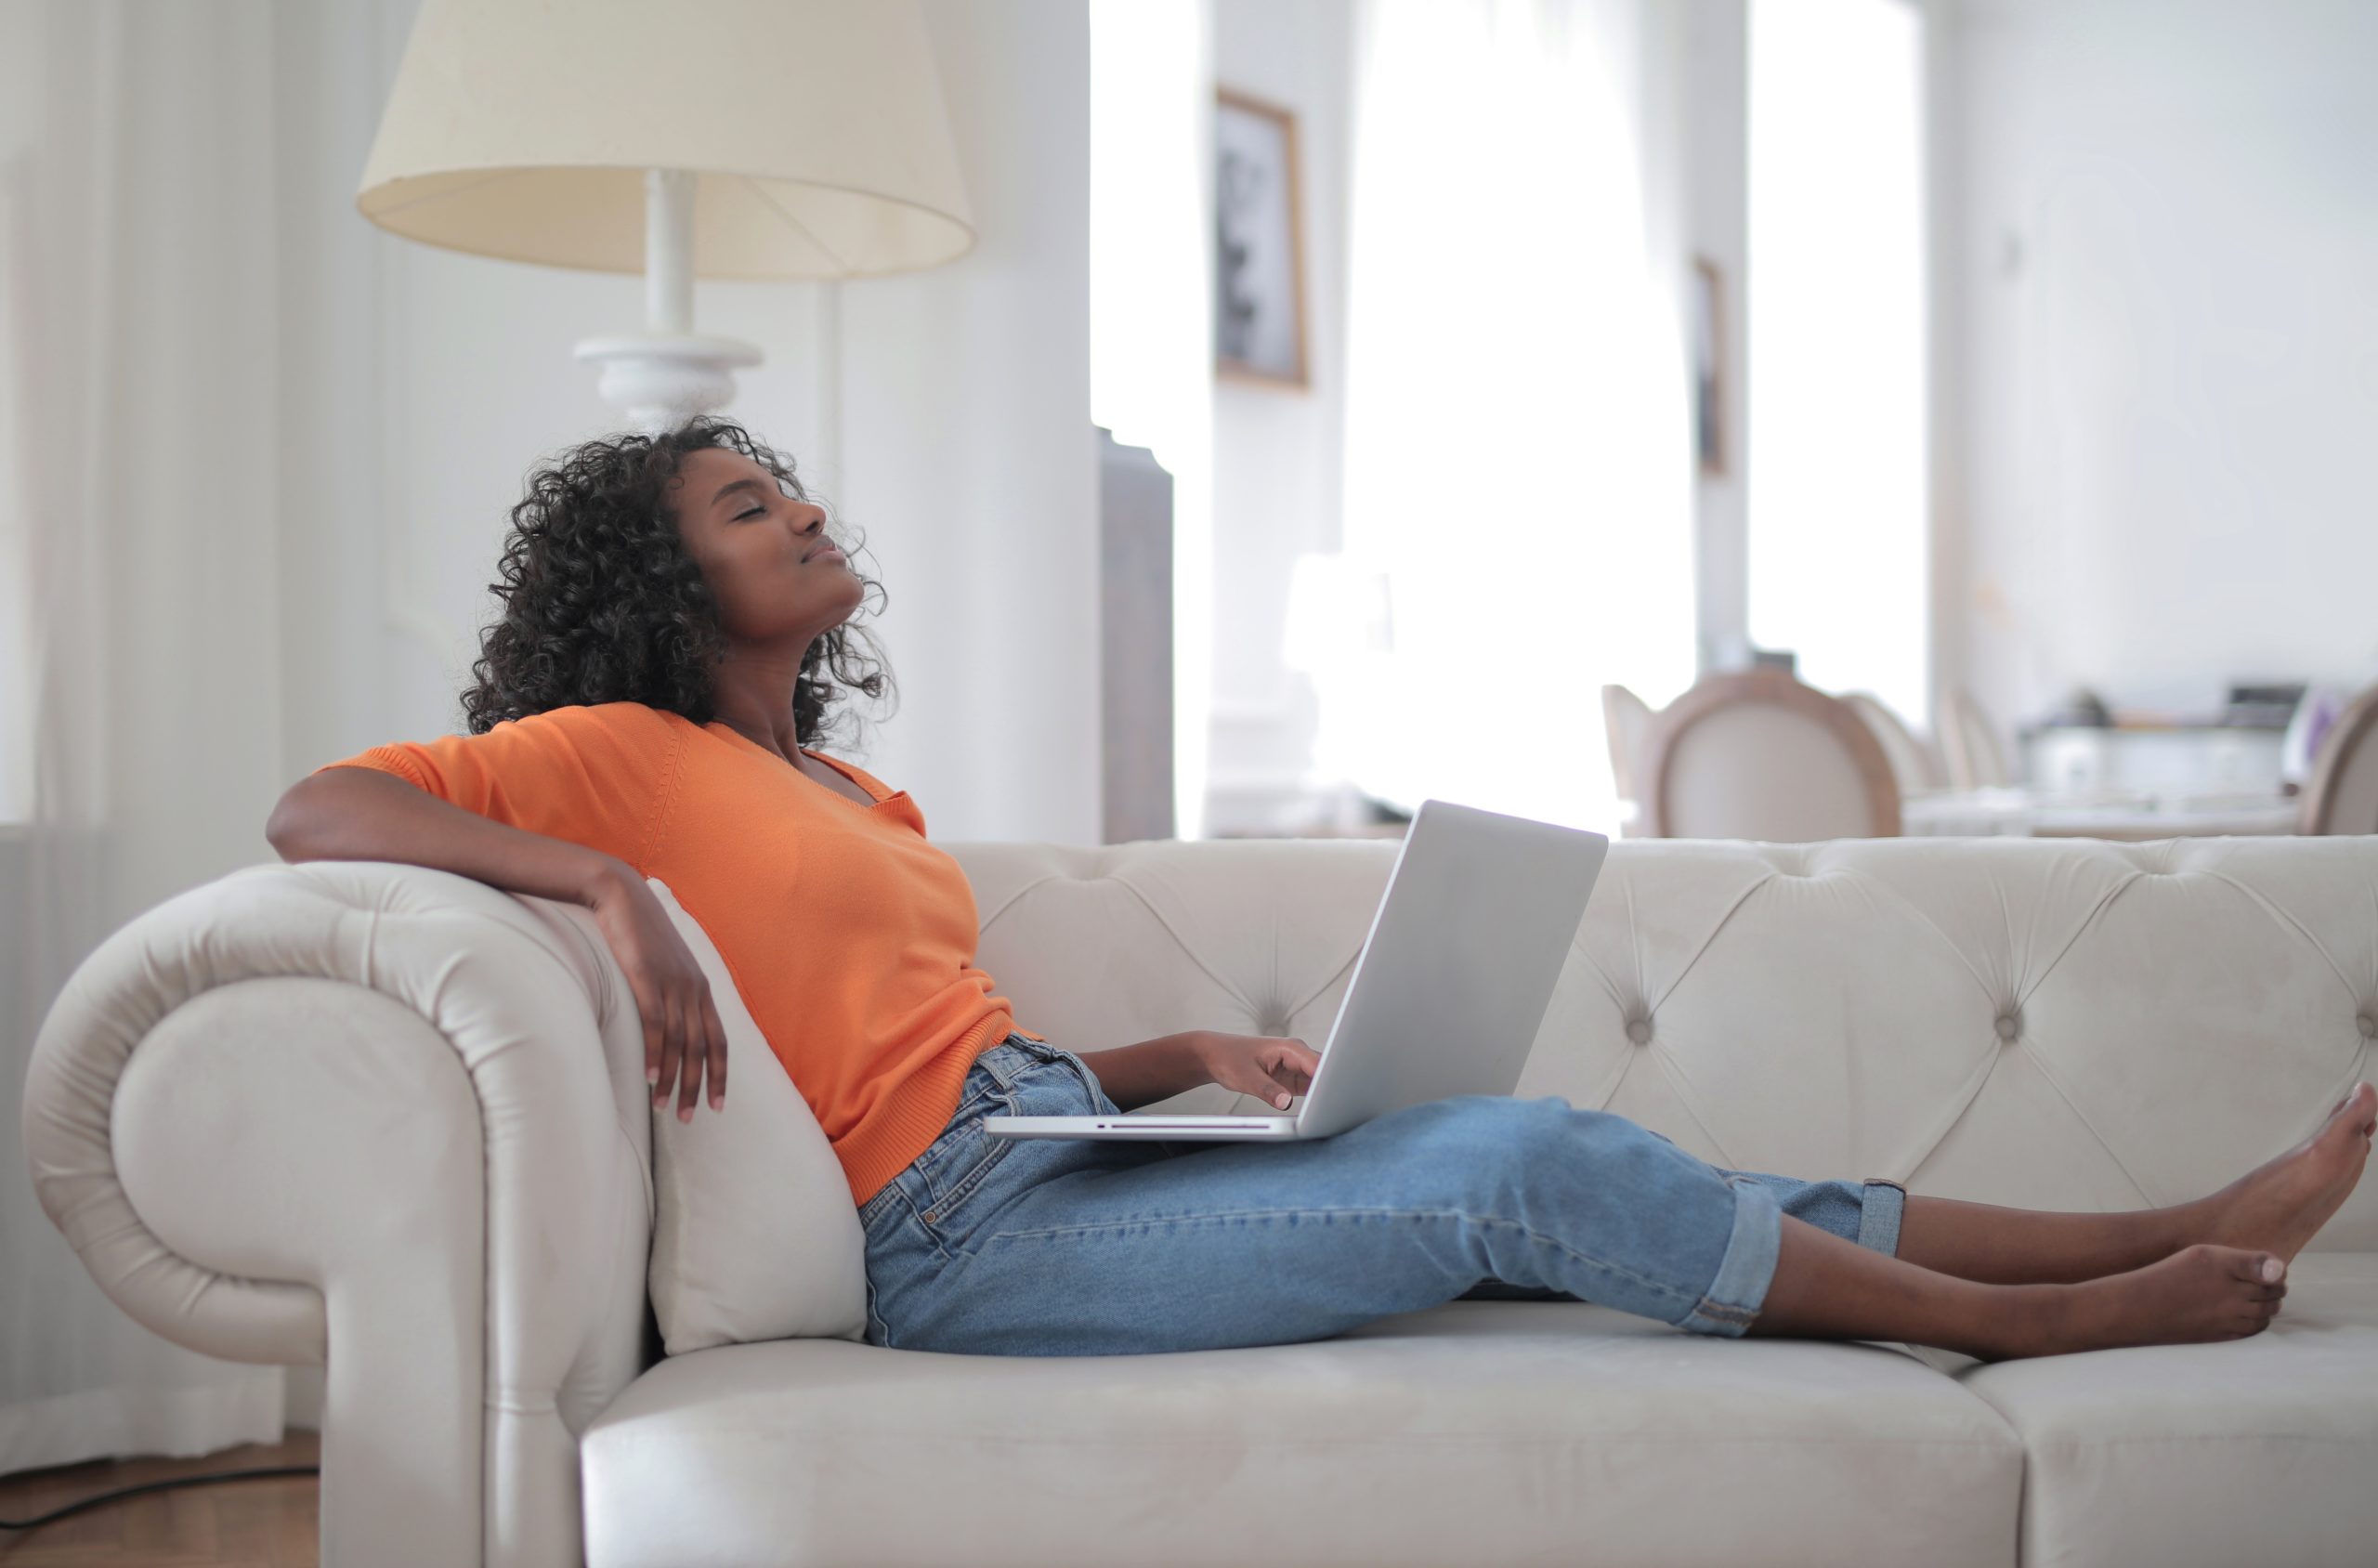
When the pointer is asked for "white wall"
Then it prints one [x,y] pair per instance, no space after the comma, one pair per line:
[429,383]
[2161,244]
[1279,453]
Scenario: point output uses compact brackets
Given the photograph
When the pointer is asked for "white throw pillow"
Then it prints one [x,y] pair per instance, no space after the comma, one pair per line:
[755,1235]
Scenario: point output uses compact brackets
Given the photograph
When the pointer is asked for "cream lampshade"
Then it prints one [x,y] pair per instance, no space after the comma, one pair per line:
[720,138]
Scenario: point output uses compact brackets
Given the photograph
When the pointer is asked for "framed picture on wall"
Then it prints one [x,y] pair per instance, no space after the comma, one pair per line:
[1259,250]
[1708,367]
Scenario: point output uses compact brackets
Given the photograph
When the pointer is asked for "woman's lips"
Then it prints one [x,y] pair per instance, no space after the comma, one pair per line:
[825,553]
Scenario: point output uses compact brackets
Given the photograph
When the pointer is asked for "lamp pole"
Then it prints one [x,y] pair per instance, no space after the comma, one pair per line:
[666,373]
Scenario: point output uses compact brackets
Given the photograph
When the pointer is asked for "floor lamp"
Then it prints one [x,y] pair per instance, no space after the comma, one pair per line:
[718,139]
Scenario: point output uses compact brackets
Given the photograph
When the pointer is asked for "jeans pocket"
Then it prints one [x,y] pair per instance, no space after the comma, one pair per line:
[960,1161]
[1061,1085]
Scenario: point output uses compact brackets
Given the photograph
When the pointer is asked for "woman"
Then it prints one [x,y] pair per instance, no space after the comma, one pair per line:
[673,636]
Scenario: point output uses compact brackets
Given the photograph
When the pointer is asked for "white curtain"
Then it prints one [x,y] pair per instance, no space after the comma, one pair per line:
[1518,458]
[140,703]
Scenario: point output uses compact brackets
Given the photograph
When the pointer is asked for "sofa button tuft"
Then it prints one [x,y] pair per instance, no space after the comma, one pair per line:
[2007,1027]
[1638,1029]
[2369,1027]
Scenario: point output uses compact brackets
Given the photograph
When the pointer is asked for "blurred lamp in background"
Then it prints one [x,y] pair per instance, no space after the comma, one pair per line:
[718,139]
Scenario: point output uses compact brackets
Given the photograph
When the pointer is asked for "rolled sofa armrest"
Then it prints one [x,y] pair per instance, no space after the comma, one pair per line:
[387,1120]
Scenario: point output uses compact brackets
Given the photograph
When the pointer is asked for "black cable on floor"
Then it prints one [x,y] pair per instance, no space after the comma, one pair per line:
[153,1486]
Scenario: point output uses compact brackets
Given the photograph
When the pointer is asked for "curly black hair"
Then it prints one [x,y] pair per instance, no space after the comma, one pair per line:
[602,602]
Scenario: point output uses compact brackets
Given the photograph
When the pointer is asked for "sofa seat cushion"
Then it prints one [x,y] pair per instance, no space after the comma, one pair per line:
[2255,1450]
[1478,1432]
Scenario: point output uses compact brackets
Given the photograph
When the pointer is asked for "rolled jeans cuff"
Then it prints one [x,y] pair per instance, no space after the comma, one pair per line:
[1748,1266]
[1878,1216]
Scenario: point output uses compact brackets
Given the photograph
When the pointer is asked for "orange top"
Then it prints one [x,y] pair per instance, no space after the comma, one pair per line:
[849,937]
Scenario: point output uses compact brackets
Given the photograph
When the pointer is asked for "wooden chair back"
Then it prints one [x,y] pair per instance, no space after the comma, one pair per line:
[1626,719]
[2342,794]
[1757,755]
[1914,764]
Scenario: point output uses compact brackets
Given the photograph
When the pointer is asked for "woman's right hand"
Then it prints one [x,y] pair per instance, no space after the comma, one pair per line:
[681,1025]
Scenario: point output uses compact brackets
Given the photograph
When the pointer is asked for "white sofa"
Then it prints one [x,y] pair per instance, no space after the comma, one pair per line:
[395,1116]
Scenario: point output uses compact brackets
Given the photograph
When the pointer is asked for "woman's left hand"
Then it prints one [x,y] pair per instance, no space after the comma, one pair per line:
[1271,1067]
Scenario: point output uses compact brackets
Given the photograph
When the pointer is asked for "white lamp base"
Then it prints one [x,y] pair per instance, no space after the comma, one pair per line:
[658,379]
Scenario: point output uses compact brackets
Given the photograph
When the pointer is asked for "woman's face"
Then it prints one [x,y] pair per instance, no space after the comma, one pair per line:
[749,538]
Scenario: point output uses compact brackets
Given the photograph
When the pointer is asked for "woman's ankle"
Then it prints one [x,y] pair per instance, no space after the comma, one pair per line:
[2036,1320]
[2182,1225]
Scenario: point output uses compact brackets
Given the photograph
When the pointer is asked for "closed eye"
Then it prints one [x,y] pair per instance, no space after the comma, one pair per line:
[754,511]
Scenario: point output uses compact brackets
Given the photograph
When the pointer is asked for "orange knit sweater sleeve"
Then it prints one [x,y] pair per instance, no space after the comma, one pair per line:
[595,775]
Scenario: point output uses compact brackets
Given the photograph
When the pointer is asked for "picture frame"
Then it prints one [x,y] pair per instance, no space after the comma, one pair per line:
[1709,378]
[1259,244]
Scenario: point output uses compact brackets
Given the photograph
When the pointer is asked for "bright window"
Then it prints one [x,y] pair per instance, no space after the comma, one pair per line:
[1838,513]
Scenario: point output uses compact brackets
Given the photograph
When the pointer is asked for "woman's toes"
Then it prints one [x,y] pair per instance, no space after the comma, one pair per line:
[2262,1268]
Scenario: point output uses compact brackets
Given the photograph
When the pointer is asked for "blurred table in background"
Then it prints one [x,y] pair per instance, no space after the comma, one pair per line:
[2165,759]
[2102,814]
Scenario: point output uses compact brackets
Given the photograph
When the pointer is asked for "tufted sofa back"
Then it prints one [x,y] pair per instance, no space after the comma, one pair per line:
[398,1112]
[2054,1024]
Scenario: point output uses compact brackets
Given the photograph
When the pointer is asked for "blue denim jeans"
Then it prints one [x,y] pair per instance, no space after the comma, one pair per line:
[1084,1247]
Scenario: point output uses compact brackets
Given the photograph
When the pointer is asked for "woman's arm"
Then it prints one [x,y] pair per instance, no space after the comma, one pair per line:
[363,814]
[1140,1074]
[355,813]
[1275,1068]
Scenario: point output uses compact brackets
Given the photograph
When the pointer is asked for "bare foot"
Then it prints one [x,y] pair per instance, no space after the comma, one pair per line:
[2198,1293]
[2279,1206]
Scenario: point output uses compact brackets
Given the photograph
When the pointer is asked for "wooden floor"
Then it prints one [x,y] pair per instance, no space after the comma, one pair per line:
[261,1524]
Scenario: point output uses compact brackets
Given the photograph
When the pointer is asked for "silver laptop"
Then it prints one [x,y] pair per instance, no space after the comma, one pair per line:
[1448,990]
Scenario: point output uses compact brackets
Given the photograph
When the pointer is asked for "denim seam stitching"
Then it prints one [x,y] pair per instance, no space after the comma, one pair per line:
[875,1320]
[1532,1234]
